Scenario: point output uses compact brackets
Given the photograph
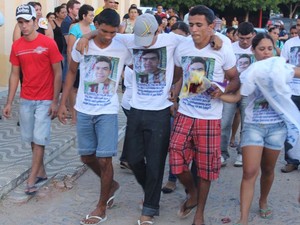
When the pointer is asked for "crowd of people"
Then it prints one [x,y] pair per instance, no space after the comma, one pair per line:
[188,88]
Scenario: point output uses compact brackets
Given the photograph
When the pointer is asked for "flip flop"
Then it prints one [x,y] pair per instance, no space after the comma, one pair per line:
[146,222]
[265,213]
[110,201]
[187,210]
[40,179]
[87,217]
[31,190]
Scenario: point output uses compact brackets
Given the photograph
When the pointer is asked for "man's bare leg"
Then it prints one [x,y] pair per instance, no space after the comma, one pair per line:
[203,190]
[37,163]
[104,168]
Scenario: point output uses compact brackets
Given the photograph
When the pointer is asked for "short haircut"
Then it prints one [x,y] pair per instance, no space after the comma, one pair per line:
[245,28]
[198,60]
[245,56]
[256,40]
[204,11]
[104,59]
[84,10]
[109,17]
[71,3]
[230,29]
[159,4]
[33,4]
[293,27]
[155,51]
[272,28]
[181,26]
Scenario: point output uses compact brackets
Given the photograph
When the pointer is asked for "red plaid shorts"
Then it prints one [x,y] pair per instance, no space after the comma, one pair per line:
[196,140]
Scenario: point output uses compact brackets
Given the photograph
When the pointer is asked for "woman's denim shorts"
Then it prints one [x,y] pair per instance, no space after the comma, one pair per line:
[271,136]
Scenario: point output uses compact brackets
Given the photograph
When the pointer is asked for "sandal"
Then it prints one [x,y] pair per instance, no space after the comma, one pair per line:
[31,190]
[185,210]
[265,213]
[146,222]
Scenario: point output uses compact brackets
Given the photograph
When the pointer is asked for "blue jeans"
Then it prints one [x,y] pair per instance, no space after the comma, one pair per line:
[147,140]
[228,113]
[287,146]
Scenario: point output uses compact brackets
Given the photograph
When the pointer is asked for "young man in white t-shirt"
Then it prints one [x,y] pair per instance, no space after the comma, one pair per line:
[290,52]
[196,131]
[97,106]
[244,57]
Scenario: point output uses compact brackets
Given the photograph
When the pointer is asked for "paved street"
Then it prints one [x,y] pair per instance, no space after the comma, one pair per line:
[62,206]
[67,201]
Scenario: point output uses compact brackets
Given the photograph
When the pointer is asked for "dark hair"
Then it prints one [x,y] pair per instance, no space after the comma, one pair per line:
[229,29]
[177,18]
[244,56]
[71,3]
[181,26]
[109,17]
[272,28]
[245,28]
[155,51]
[58,9]
[256,40]
[104,59]
[198,60]
[159,4]
[50,14]
[293,27]
[205,11]
[132,7]
[33,4]
[84,10]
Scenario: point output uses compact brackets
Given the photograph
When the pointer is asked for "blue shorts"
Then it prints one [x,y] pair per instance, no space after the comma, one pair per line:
[35,123]
[271,136]
[97,134]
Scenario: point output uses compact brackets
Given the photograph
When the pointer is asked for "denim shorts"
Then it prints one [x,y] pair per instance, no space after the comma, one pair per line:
[97,134]
[35,123]
[271,136]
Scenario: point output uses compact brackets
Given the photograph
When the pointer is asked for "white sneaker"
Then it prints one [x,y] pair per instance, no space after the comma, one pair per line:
[239,161]
[223,161]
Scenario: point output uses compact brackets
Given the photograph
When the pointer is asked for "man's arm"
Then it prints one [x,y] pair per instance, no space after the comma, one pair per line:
[12,88]
[70,79]
[83,43]
[177,83]
[233,79]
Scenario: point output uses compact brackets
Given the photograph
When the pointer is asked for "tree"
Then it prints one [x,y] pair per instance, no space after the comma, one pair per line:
[292,6]
[254,5]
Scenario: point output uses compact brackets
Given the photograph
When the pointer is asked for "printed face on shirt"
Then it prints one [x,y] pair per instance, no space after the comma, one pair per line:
[197,66]
[264,49]
[243,63]
[102,71]
[151,62]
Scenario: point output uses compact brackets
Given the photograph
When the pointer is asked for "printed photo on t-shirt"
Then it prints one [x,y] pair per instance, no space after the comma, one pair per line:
[295,56]
[197,74]
[101,74]
[243,61]
[150,70]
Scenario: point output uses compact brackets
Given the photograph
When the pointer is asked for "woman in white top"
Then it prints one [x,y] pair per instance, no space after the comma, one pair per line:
[263,135]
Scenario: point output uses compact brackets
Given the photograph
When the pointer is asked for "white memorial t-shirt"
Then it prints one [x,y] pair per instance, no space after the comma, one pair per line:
[100,71]
[212,63]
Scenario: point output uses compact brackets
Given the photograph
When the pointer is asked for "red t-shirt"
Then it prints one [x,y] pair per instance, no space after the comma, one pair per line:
[35,58]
